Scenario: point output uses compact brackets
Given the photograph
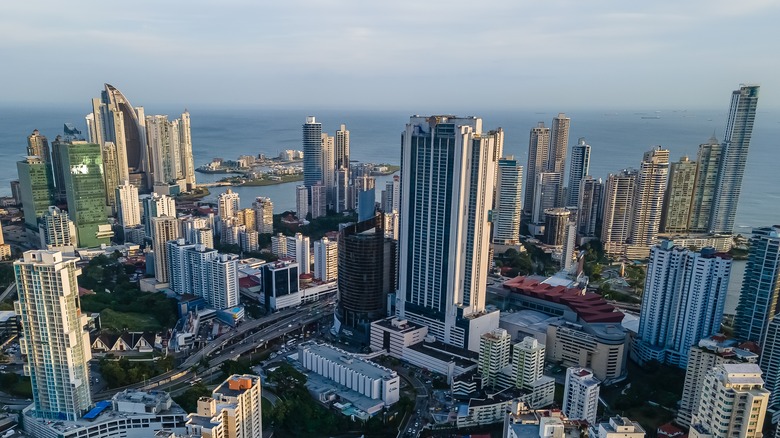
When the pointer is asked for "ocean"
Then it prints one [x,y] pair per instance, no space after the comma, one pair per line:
[617,138]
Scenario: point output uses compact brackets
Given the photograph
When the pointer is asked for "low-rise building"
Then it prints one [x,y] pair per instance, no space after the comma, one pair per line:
[358,374]
[619,427]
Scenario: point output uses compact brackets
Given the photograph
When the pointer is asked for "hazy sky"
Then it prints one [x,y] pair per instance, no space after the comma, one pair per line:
[398,54]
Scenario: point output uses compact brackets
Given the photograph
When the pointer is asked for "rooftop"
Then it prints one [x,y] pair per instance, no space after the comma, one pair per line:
[444,352]
[236,385]
[356,363]
[589,306]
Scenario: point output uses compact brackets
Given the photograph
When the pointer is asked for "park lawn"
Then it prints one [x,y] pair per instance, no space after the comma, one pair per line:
[134,322]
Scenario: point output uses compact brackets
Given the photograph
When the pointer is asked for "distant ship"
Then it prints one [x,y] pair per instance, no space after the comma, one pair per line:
[656,116]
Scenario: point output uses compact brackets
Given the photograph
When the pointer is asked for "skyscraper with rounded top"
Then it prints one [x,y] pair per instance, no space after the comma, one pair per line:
[312,152]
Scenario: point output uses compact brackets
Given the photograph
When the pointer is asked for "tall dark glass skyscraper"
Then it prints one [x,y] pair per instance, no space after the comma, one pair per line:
[736,142]
[761,285]
[312,152]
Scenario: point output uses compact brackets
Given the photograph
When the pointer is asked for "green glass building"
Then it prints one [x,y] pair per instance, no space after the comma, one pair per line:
[37,189]
[82,165]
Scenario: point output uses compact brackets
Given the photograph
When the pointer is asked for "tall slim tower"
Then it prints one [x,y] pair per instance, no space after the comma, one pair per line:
[683,300]
[86,192]
[155,206]
[761,285]
[508,206]
[736,142]
[527,362]
[770,365]
[578,169]
[559,147]
[312,152]
[164,229]
[648,202]
[618,203]
[37,189]
[329,170]
[589,208]
[326,259]
[493,355]
[128,205]
[341,146]
[228,204]
[447,192]
[548,185]
[679,192]
[538,150]
[185,145]
[707,163]
[53,336]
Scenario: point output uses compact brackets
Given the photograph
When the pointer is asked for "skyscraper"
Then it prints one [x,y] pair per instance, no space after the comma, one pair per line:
[494,348]
[770,365]
[732,403]
[559,147]
[114,119]
[578,169]
[538,149]
[508,206]
[299,249]
[679,192]
[760,286]
[264,215]
[547,188]
[581,395]
[326,259]
[329,170]
[164,229]
[707,162]
[736,142]
[342,148]
[527,362]
[366,274]
[233,410]
[447,182]
[648,202]
[589,208]
[684,296]
[128,205]
[38,146]
[155,206]
[185,145]
[318,200]
[228,204]
[86,192]
[312,152]
[53,336]
[555,223]
[56,229]
[301,202]
[198,270]
[618,203]
[37,189]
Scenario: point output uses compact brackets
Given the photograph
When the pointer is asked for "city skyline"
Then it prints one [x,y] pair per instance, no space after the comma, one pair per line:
[610,46]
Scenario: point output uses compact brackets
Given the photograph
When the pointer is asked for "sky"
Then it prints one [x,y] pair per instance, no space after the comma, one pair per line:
[365,54]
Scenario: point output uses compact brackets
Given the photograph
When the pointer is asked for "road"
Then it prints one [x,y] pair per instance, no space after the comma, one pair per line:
[240,341]
[420,405]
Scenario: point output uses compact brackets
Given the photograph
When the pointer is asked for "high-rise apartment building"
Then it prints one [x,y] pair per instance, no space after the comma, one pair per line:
[279,245]
[86,192]
[299,249]
[111,166]
[246,217]
[228,204]
[164,229]
[195,269]
[679,192]
[648,202]
[37,189]
[538,150]
[234,410]
[319,200]
[264,215]
[312,152]
[736,142]
[329,170]
[707,163]
[185,146]
[555,223]
[760,286]
[341,146]
[589,208]
[619,192]
[547,188]
[56,229]
[527,362]
[248,240]
[302,202]
[732,403]
[157,206]
[326,259]
[508,205]
[683,300]
[448,182]
[709,353]
[579,168]
[38,146]
[581,395]
[559,147]
[53,337]
[366,274]
[770,365]
[128,205]
[494,348]
[391,195]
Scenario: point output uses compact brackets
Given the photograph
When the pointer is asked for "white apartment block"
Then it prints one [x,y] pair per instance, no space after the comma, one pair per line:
[494,349]
[129,208]
[234,410]
[360,375]
[326,260]
[581,395]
